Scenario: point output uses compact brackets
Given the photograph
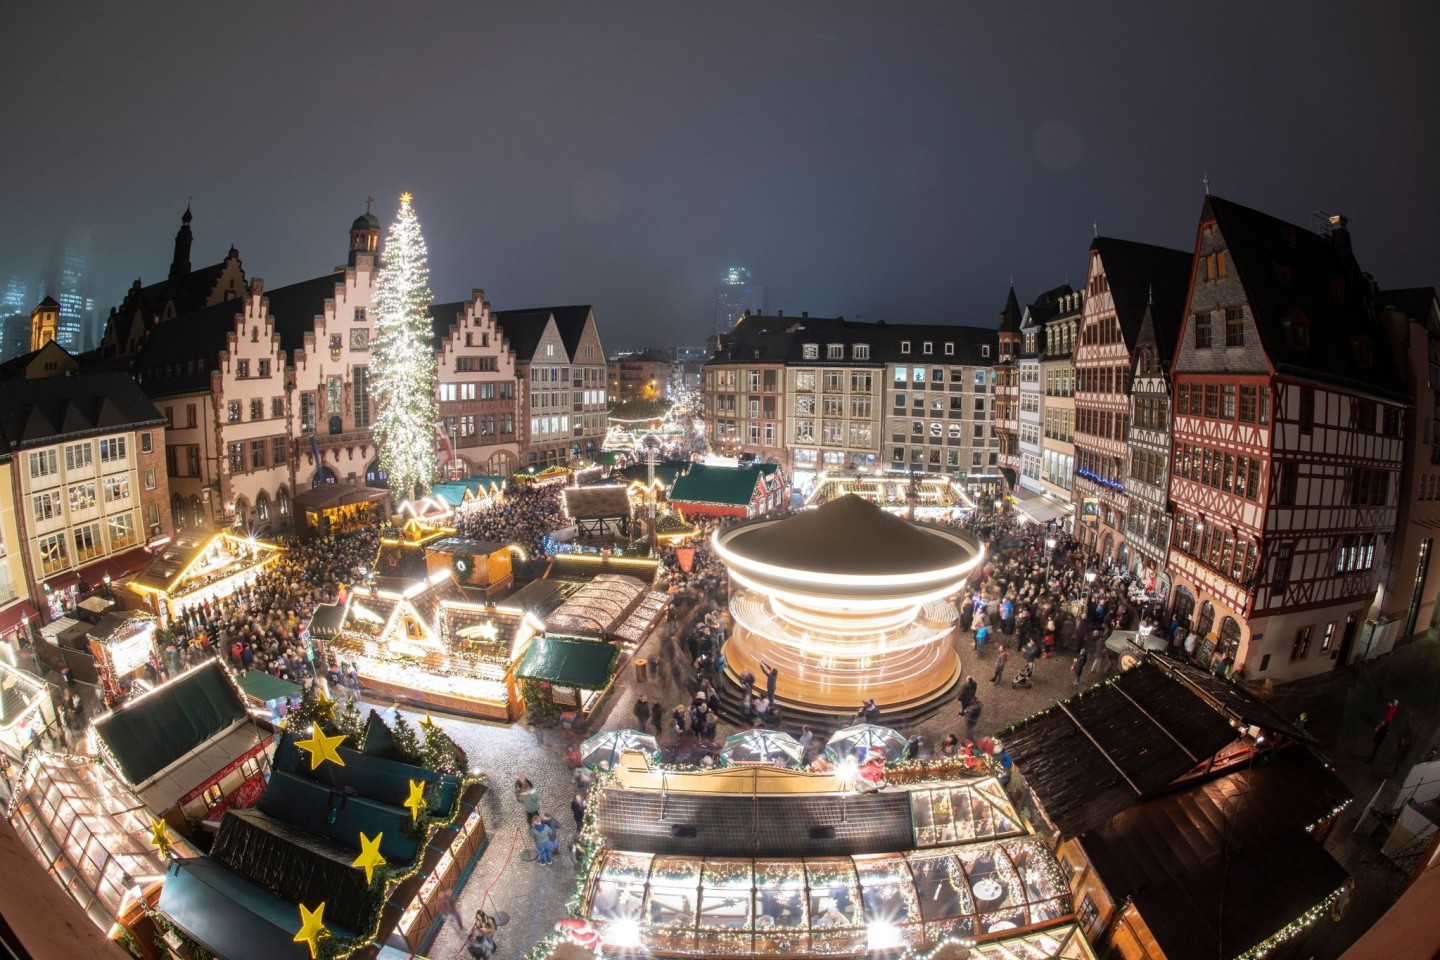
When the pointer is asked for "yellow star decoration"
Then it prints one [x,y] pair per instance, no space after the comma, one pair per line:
[159,837]
[312,928]
[369,855]
[416,800]
[325,705]
[428,723]
[322,748]
[405,198]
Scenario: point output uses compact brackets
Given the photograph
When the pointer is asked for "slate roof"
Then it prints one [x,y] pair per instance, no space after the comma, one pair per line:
[1047,305]
[1133,270]
[1169,855]
[189,291]
[180,354]
[1103,750]
[767,339]
[42,411]
[706,483]
[1415,302]
[1010,315]
[597,503]
[523,330]
[443,316]
[1288,271]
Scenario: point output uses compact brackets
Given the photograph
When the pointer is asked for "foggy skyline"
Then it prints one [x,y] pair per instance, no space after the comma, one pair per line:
[898,163]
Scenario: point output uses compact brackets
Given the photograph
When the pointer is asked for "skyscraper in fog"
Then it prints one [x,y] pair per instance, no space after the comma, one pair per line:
[65,280]
[14,319]
[736,295]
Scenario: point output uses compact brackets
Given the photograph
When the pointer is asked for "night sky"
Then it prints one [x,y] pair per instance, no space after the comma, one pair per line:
[895,161]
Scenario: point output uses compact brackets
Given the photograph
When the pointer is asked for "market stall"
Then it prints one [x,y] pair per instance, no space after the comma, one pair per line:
[26,711]
[560,677]
[609,606]
[831,905]
[123,646]
[90,832]
[190,572]
[332,508]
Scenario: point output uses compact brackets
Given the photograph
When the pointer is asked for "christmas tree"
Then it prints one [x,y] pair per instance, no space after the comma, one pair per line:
[403,367]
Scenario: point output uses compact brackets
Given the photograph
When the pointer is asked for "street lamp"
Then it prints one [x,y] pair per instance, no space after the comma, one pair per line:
[109,595]
[1050,543]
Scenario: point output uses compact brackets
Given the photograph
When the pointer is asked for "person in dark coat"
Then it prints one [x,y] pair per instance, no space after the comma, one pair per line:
[967,693]
[972,718]
[642,712]
[657,717]
[1002,658]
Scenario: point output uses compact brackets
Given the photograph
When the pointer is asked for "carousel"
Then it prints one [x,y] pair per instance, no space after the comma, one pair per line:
[847,602]
[190,572]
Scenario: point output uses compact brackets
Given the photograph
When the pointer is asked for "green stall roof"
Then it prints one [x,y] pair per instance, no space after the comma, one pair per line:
[569,663]
[263,687]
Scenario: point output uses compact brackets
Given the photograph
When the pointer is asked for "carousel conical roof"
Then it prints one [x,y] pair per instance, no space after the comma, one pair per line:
[851,536]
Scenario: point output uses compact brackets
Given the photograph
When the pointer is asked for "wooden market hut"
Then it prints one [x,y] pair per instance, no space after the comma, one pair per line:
[191,570]
[743,492]
[598,512]
[332,508]
[189,748]
[1147,783]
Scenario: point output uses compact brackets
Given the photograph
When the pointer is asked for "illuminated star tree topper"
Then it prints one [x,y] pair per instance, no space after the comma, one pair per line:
[403,365]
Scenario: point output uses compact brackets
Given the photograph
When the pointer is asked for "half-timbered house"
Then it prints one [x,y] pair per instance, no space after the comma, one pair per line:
[1120,276]
[1287,445]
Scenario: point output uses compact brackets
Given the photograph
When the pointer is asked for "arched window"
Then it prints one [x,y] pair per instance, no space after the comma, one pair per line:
[262,507]
[1184,604]
[242,510]
[1229,636]
[1206,620]
[197,512]
[177,511]
[282,502]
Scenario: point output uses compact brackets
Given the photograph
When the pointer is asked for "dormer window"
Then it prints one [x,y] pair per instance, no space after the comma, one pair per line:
[949,349]
[810,351]
[1364,351]
[904,346]
[985,350]
[860,351]
[1297,330]
[834,351]
[928,348]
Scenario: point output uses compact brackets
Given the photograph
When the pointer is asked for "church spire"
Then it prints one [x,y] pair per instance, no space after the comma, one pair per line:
[180,265]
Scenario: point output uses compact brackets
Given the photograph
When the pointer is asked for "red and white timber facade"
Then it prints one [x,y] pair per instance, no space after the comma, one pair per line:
[1285,463]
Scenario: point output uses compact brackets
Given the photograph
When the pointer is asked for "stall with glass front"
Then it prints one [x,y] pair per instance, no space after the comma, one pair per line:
[962,811]
[832,905]
[189,572]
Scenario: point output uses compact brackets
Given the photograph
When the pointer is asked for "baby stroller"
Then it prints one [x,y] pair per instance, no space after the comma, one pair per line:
[1024,678]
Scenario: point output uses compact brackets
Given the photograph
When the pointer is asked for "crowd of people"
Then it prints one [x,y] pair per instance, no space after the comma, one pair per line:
[525,516]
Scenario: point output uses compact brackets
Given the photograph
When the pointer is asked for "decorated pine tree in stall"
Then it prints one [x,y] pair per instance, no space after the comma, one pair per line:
[402,369]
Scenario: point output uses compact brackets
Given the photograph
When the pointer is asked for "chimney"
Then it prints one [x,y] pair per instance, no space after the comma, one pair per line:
[779,313]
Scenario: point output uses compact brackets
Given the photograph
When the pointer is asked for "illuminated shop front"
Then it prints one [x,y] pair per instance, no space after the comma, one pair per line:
[190,572]
[25,710]
[924,496]
[847,602]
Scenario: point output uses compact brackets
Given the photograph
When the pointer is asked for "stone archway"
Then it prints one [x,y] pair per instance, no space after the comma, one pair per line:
[1184,604]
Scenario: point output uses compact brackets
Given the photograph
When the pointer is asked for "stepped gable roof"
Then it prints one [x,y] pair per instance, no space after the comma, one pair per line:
[443,316]
[188,291]
[708,483]
[848,536]
[1169,855]
[41,411]
[1415,302]
[1104,750]
[1133,270]
[1290,272]
[180,354]
[523,330]
[1010,316]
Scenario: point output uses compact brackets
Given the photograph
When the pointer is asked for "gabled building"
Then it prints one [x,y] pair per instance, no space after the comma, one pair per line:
[1057,374]
[646,375]
[184,290]
[1119,278]
[87,479]
[751,407]
[937,401]
[1006,388]
[560,364]
[1147,524]
[1408,581]
[1031,393]
[1287,446]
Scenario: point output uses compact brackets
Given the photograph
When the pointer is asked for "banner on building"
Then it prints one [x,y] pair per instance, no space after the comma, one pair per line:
[1090,510]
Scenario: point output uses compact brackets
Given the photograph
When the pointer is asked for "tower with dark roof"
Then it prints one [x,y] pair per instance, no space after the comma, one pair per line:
[180,264]
[44,323]
[364,235]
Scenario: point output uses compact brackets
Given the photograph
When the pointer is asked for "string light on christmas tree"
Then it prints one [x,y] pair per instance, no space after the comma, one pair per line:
[402,368]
